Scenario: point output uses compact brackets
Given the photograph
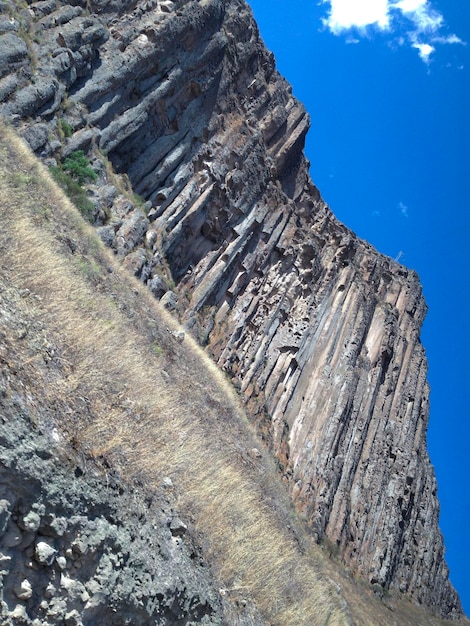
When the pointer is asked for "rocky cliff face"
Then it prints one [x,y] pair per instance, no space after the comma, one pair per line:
[319,331]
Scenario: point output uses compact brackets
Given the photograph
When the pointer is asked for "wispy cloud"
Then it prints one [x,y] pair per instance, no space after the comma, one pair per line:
[403,209]
[415,22]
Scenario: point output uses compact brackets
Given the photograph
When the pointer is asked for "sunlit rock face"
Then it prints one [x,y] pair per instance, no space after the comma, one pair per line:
[318,330]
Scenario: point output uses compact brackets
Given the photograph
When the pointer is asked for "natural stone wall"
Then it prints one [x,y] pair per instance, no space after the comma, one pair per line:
[319,331]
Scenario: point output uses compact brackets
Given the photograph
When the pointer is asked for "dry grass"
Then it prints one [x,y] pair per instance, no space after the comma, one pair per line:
[158,408]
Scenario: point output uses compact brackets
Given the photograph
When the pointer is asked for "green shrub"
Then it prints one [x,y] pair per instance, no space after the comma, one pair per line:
[79,167]
[65,127]
[74,191]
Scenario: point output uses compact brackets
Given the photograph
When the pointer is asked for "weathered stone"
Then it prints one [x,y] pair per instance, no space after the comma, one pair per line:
[157,286]
[5,514]
[19,615]
[31,521]
[169,300]
[45,553]
[5,562]
[36,136]
[131,232]
[61,562]
[13,50]
[178,335]
[177,527]
[73,618]
[81,140]
[23,591]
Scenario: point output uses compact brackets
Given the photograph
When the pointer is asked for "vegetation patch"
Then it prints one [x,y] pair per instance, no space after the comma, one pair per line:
[66,128]
[74,190]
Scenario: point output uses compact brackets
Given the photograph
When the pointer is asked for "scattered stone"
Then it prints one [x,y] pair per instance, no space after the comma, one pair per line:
[45,553]
[57,526]
[169,300]
[24,590]
[61,562]
[73,618]
[31,522]
[177,527]
[19,615]
[178,335]
[5,561]
[50,591]
[157,286]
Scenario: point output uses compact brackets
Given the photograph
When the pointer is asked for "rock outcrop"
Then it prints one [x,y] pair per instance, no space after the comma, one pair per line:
[318,331]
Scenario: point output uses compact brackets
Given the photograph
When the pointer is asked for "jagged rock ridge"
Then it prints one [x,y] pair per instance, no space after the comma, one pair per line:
[319,331]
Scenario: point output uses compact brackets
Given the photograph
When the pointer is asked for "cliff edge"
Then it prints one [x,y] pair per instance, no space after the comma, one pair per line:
[319,332]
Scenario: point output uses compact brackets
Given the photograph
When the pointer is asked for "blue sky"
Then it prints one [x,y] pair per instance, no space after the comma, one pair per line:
[387,86]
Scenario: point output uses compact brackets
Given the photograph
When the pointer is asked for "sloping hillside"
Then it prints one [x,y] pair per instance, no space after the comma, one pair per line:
[98,376]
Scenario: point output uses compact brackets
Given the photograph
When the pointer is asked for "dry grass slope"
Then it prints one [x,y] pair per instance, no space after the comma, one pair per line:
[156,407]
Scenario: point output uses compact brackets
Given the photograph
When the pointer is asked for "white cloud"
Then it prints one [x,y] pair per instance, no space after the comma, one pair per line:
[412,21]
[448,39]
[425,50]
[345,14]
[409,5]
[421,13]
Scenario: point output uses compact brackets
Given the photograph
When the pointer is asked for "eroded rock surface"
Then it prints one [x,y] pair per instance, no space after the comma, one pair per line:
[319,331]
[80,546]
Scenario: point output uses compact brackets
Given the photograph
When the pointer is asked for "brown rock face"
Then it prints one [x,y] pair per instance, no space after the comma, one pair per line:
[319,331]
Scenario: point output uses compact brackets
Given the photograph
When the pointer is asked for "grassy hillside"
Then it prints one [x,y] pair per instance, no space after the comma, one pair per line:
[154,407]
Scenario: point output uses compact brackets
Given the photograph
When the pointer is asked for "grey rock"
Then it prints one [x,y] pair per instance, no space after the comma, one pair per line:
[132,231]
[61,562]
[157,286]
[81,140]
[5,514]
[36,136]
[31,522]
[13,50]
[177,527]
[169,300]
[5,563]
[28,100]
[23,591]
[45,553]
[107,234]
[178,335]
[73,618]
[8,84]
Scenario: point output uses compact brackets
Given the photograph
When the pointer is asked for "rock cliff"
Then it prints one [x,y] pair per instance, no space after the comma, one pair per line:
[319,332]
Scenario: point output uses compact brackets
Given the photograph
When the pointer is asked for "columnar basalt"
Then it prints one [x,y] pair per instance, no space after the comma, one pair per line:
[318,330]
